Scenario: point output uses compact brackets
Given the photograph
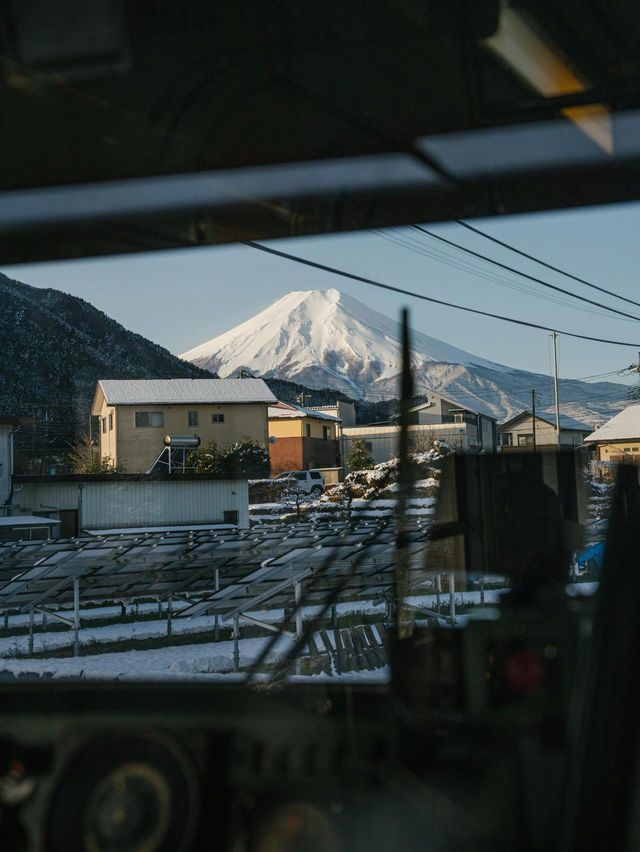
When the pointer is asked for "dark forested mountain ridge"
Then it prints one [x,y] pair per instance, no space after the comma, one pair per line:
[54,349]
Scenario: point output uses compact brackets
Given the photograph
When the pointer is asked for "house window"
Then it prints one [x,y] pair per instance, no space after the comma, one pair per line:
[634,449]
[525,440]
[110,421]
[307,429]
[326,433]
[149,418]
[217,418]
[506,439]
[458,416]
[104,424]
[193,418]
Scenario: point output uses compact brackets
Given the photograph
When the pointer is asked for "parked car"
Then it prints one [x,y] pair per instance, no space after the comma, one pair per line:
[309,481]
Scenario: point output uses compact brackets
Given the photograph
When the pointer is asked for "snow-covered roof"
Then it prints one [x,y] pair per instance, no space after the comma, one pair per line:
[451,401]
[26,521]
[566,422]
[186,391]
[286,410]
[625,426]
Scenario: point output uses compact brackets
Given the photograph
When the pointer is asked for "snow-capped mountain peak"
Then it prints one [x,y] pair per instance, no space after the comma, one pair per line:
[326,339]
[324,332]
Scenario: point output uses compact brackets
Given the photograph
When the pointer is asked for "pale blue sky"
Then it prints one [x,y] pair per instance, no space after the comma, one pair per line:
[182,298]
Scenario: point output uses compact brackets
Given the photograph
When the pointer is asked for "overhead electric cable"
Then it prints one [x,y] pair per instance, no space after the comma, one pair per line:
[523,274]
[392,288]
[441,255]
[544,263]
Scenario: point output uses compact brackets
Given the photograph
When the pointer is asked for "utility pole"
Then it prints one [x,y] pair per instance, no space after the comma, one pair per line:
[555,387]
[300,398]
[533,416]
[44,464]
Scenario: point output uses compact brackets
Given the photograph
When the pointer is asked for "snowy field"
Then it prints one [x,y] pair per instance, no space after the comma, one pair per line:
[207,660]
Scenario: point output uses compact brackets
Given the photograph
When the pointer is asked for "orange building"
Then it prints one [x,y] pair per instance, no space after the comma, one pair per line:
[302,439]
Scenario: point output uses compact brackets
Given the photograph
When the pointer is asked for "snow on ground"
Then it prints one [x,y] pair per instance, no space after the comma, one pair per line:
[209,660]
[184,662]
[320,509]
[157,628]
[97,612]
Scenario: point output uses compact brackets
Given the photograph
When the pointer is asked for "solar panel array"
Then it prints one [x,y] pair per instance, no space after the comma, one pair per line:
[228,571]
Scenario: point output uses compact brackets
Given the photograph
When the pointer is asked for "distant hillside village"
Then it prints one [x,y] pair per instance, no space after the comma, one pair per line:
[181,451]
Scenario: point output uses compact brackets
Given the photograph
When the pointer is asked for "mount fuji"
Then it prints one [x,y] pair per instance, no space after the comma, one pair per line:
[324,338]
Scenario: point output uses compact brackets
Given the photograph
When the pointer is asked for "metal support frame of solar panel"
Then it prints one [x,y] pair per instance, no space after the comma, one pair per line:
[130,566]
[93,558]
[121,548]
[90,558]
[320,570]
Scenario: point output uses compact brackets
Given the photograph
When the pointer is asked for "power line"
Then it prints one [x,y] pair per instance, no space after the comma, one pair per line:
[544,263]
[524,274]
[600,375]
[440,255]
[392,288]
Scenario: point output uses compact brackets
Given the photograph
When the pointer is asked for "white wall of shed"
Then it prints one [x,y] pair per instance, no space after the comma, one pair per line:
[44,497]
[121,503]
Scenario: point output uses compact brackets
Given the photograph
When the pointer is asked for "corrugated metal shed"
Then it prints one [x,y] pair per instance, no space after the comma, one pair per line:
[134,501]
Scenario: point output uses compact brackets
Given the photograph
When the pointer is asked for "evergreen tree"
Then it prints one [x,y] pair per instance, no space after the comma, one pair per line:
[245,456]
[360,458]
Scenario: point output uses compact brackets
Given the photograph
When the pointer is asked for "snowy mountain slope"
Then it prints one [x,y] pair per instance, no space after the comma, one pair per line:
[323,332]
[324,338]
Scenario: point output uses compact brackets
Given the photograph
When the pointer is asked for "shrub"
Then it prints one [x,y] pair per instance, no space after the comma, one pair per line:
[381,481]
[84,457]
[245,456]
[267,490]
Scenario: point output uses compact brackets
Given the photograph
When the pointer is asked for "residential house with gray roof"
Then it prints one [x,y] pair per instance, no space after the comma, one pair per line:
[135,415]
[517,433]
[618,440]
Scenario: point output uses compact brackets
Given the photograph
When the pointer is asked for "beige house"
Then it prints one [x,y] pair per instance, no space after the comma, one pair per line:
[618,440]
[135,415]
[516,434]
